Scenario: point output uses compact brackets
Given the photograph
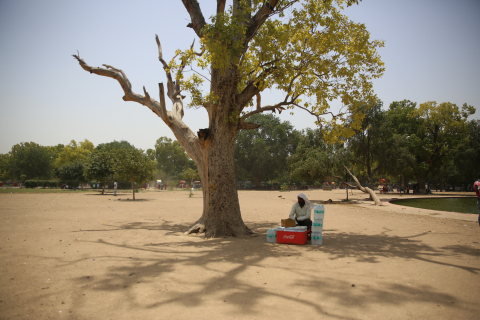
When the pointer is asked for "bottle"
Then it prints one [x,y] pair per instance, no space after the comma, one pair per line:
[318,212]
[272,235]
[316,238]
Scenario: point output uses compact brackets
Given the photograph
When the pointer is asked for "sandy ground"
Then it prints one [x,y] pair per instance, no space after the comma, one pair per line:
[88,256]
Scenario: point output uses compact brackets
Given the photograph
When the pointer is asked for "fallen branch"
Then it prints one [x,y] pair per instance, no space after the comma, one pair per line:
[365,189]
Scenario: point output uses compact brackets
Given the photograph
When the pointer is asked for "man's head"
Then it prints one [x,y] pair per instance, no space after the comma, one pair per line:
[301,201]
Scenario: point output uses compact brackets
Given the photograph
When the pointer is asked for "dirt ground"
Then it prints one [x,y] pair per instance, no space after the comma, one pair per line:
[88,256]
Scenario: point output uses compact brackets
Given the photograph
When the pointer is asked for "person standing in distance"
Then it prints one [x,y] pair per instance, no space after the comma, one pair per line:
[115,188]
[476,187]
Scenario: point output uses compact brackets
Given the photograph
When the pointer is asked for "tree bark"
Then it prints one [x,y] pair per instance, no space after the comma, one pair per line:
[221,208]
[421,185]
[133,189]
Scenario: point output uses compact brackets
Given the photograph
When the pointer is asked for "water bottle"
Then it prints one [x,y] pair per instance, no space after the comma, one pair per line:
[316,238]
[317,226]
[272,235]
[318,212]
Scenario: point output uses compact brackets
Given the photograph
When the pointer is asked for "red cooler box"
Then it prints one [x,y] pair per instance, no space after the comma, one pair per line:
[291,237]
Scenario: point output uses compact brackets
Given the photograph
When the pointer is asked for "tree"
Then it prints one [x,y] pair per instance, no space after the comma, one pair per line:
[32,160]
[318,54]
[466,156]
[99,165]
[428,134]
[369,144]
[316,159]
[190,174]
[72,171]
[261,154]
[133,165]
[115,145]
[171,159]
[6,165]
[74,152]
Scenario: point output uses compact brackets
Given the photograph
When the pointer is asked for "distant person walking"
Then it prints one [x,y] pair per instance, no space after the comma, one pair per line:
[476,187]
[115,188]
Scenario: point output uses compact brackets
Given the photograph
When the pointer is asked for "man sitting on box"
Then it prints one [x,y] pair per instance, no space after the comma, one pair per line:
[302,211]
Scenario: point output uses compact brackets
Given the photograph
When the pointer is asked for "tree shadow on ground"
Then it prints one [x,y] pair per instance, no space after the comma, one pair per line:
[241,255]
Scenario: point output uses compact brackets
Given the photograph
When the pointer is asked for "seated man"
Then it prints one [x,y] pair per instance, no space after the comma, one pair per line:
[302,211]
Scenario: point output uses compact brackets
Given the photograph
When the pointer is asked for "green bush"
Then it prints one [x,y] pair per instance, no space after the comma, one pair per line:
[41,183]
[30,184]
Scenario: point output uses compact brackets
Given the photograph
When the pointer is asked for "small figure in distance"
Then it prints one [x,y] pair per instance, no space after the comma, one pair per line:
[302,211]
[115,188]
[476,187]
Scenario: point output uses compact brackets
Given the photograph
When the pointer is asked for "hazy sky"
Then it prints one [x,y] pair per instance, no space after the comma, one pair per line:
[431,53]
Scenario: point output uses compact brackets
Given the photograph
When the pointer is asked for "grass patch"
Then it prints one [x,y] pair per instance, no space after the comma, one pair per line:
[46,190]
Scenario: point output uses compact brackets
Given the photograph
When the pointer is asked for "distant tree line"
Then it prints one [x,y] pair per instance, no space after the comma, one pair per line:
[430,143]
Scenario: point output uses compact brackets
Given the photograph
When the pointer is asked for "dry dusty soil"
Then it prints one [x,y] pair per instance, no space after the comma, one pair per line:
[88,256]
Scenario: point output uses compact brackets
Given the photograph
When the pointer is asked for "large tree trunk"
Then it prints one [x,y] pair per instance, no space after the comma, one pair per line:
[221,208]
[421,185]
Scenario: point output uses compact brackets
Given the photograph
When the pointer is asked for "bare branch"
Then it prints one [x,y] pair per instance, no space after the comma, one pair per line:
[120,76]
[162,105]
[170,82]
[160,53]
[259,100]
[198,21]
[182,132]
[273,108]
[221,6]
[365,189]
[348,184]
[243,125]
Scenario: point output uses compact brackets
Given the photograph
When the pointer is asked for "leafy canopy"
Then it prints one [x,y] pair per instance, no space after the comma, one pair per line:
[317,55]
[73,152]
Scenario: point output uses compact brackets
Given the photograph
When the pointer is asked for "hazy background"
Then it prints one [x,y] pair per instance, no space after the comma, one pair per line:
[431,53]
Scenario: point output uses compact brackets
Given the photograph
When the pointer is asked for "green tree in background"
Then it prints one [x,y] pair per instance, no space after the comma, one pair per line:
[99,163]
[261,154]
[315,159]
[99,166]
[133,165]
[428,135]
[190,174]
[171,159]
[72,171]
[115,145]
[6,165]
[32,160]
[74,152]
[369,144]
